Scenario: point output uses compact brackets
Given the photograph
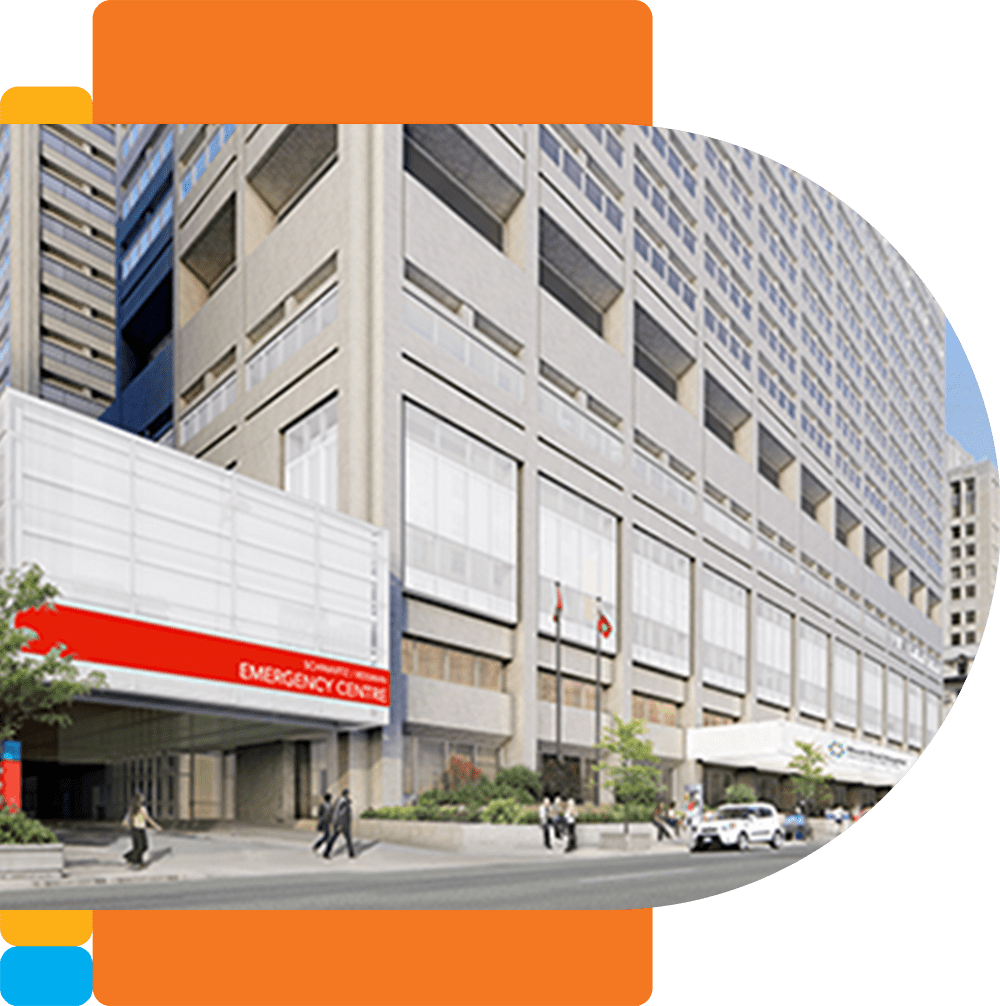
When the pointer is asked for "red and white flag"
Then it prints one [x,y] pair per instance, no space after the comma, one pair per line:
[559,605]
[604,625]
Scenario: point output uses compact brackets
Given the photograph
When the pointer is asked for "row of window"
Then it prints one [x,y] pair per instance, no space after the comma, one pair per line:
[158,159]
[582,179]
[214,148]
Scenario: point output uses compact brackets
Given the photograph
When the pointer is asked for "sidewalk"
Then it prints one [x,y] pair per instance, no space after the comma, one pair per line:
[94,855]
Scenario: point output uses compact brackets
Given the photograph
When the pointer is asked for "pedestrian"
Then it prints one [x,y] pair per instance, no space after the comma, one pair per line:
[556,816]
[660,820]
[341,824]
[325,821]
[570,822]
[136,818]
[674,818]
[544,809]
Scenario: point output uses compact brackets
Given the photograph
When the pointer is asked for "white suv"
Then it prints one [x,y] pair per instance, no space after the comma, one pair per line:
[736,825]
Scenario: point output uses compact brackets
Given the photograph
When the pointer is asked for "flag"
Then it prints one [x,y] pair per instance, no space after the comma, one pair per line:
[603,625]
[559,605]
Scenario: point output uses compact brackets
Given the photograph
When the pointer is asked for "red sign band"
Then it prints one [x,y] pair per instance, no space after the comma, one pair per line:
[129,642]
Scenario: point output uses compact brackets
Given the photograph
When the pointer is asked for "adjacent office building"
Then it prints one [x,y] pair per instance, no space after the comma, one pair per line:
[659,369]
[972,552]
[57,263]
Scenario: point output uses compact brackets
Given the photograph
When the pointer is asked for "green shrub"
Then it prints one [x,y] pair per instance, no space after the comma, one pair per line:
[519,777]
[614,813]
[740,793]
[16,828]
[502,812]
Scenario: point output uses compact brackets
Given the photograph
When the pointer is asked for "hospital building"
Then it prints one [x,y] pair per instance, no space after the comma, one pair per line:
[378,388]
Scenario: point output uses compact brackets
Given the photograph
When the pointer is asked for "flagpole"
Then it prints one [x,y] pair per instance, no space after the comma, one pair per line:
[558,678]
[597,706]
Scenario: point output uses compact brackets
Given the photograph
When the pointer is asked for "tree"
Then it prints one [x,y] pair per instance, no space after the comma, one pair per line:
[812,786]
[633,778]
[740,793]
[32,687]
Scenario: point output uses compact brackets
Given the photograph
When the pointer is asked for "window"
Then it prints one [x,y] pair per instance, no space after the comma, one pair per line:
[845,685]
[652,710]
[313,320]
[970,569]
[426,660]
[956,593]
[570,275]
[813,648]
[210,256]
[956,552]
[661,605]
[449,164]
[970,590]
[461,518]
[956,530]
[969,529]
[956,618]
[578,694]
[970,617]
[311,456]
[772,457]
[724,632]
[970,548]
[658,355]
[895,690]
[577,547]
[774,654]
[915,716]
[956,572]
[871,696]
[813,493]
[724,415]
[970,637]
[956,638]
[709,719]
[296,159]
[846,522]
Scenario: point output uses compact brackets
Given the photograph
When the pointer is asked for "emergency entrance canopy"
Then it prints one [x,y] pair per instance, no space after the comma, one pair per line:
[188,584]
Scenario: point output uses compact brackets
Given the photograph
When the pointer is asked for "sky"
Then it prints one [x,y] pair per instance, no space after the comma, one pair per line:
[965,412]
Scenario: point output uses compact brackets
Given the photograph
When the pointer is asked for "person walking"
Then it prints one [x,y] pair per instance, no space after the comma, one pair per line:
[570,820]
[341,824]
[325,822]
[663,829]
[136,818]
[544,809]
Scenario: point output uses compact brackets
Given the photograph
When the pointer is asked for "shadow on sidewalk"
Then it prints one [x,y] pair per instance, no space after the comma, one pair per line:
[359,848]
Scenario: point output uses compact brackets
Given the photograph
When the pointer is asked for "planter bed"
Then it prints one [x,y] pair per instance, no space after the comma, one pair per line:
[486,838]
[42,861]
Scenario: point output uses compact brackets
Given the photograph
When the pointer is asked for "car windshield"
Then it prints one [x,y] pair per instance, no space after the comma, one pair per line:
[730,812]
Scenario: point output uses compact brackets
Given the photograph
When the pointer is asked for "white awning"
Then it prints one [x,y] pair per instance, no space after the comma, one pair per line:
[769,746]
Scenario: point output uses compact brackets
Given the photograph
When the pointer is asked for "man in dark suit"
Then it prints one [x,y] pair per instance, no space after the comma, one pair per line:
[325,820]
[341,824]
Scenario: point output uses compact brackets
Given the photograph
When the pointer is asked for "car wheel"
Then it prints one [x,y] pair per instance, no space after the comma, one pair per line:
[777,840]
[743,843]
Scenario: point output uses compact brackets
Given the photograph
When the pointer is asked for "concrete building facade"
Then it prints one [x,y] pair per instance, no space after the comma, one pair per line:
[57,263]
[972,554]
[657,368]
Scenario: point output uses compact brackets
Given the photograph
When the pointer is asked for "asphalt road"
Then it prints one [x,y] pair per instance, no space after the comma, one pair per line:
[613,883]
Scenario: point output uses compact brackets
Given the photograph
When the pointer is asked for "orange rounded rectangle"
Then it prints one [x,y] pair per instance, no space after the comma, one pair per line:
[385,61]
[438,958]
[46,929]
[45,104]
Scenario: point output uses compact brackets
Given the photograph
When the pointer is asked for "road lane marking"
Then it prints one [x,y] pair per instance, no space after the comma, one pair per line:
[630,876]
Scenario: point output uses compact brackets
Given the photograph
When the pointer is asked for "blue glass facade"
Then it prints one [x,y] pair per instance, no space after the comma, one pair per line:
[144,286]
